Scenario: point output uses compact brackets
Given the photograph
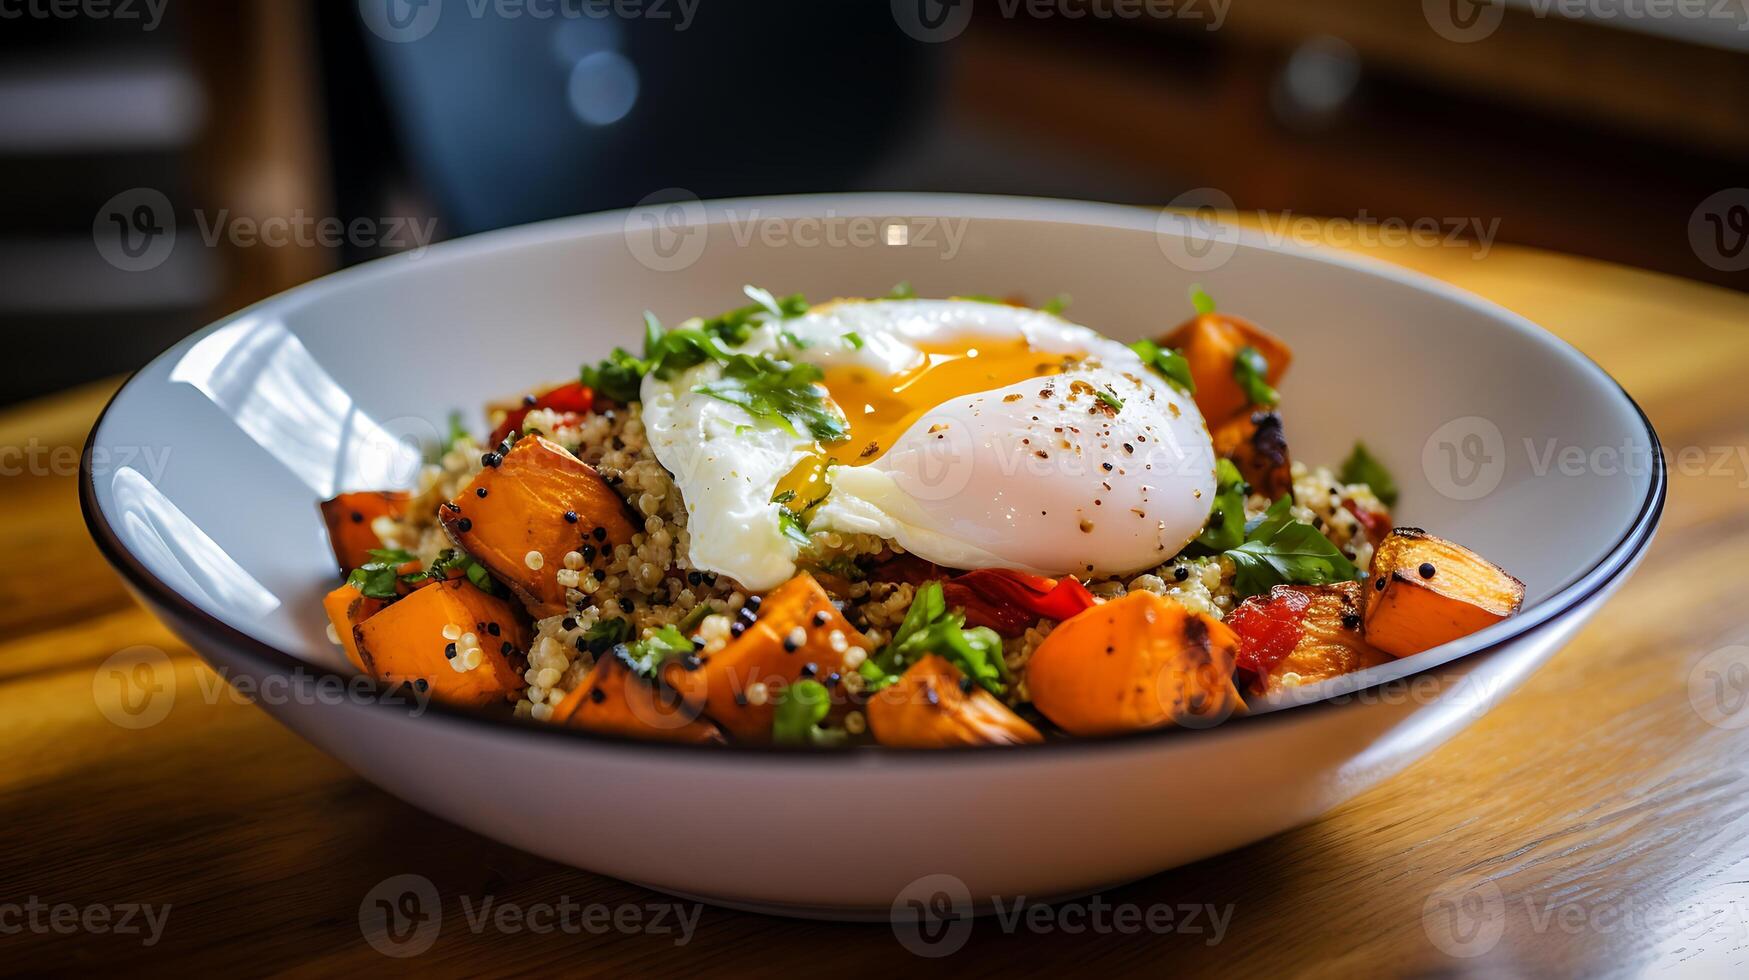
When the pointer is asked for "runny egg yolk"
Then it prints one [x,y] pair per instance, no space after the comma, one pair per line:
[880,407]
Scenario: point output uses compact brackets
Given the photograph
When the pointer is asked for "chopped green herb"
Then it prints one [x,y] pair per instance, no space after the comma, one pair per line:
[457,432]
[1250,369]
[930,627]
[1057,304]
[902,290]
[646,656]
[1226,524]
[783,394]
[791,526]
[799,710]
[690,621]
[1110,398]
[621,375]
[605,635]
[854,339]
[1203,302]
[380,577]
[1167,363]
[1279,550]
[1362,467]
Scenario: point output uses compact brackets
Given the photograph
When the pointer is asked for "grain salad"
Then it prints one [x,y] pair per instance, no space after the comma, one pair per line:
[901,522]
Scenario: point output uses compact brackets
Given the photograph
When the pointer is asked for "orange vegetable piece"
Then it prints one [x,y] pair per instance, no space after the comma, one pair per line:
[793,630]
[1425,591]
[1141,661]
[347,607]
[1211,343]
[528,495]
[1254,441]
[349,517]
[1331,642]
[928,709]
[614,700]
[405,643]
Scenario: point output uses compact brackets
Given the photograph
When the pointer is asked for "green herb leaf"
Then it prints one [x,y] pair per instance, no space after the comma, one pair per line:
[457,432]
[1057,304]
[1167,363]
[902,290]
[480,578]
[798,712]
[1362,467]
[763,298]
[791,526]
[646,656]
[783,394]
[1226,524]
[854,339]
[1110,398]
[621,375]
[1250,368]
[1201,301]
[1279,550]
[380,577]
[605,635]
[929,627]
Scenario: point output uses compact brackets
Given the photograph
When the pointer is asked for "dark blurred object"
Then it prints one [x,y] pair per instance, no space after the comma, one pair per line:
[513,119]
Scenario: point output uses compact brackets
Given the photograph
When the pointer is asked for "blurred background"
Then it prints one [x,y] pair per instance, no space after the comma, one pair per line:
[163,162]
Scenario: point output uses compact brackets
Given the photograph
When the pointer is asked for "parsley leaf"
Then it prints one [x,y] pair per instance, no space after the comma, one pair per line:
[791,526]
[784,394]
[1362,467]
[1057,304]
[929,627]
[620,376]
[380,577]
[799,710]
[1226,526]
[1279,550]
[854,339]
[1203,302]
[646,656]
[1250,368]
[1110,398]
[1167,363]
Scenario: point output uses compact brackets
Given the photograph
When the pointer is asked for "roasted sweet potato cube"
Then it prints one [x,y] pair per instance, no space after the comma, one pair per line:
[1254,441]
[526,510]
[1425,591]
[614,700]
[347,607]
[790,638]
[929,708]
[406,643]
[349,518]
[1211,343]
[1321,625]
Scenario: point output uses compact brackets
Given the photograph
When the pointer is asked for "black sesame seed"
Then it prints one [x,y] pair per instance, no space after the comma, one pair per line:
[449,651]
[600,534]
[753,602]
[505,648]
[1379,583]
[582,644]
[625,604]
[597,695]
[965,685]
[569,624]
[529,400]
[571,517]
[421,684]
[452,506]
[740,699]
[357,517]
[746,614]
[691,662]
[790,645]
[737,628]
[1107,467]
[464,525]
[491,459]
[1426,569]
[600,575]
[833,678]
[694,578]
[822,617]
[1180,573]
[588,552]
[810,670]
[480,492]
[1351,621]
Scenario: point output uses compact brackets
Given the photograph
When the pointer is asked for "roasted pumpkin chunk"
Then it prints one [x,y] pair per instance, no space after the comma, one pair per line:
[796,632]
[349,518]
[1301,634]
[615,700]
[931,707]
[1211,343]
[1137,662]
[436,632]
[1254,441]
[347,607]
[1425,591]
[526,510]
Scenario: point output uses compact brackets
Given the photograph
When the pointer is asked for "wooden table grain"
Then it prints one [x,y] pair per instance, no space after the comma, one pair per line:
[1596,822]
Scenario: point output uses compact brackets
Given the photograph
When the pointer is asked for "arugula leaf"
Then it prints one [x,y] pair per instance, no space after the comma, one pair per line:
[1362,467]
[605,635]
[1226,526]
[1250,368]
[929,627]
[1203,302]
[646,656]
[784,394]
[799,710]
[1167,363]
[1279,550]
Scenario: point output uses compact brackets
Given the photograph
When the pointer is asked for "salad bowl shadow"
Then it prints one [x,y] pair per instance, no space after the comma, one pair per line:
[333,386]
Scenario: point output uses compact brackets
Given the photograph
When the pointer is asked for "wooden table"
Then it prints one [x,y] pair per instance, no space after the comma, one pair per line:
[1608,813]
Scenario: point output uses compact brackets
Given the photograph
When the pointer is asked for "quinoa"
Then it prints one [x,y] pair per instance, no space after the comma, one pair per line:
[650,582]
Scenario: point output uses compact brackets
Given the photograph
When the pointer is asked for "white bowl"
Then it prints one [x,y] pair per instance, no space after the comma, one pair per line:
[202,477]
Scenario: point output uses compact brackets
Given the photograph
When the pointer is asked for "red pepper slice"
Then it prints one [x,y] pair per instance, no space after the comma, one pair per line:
[570,399]
[1008,602]
[1269,627]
